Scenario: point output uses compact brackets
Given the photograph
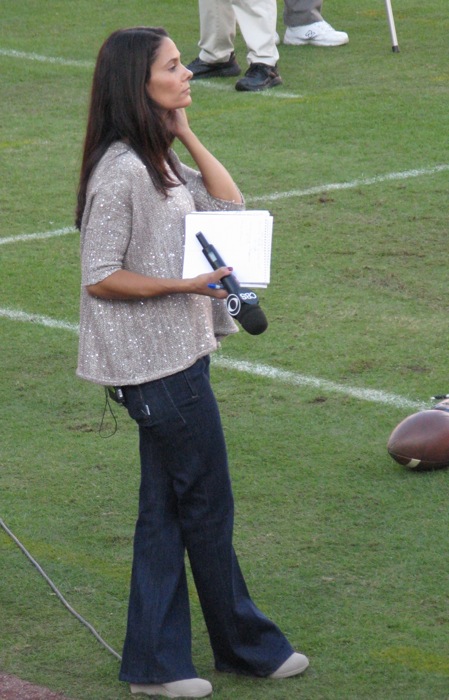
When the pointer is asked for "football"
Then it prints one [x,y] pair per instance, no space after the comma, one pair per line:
[421,441]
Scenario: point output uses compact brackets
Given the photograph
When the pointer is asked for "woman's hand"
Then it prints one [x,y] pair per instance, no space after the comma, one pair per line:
[204,284]
[177,123]
[216,178]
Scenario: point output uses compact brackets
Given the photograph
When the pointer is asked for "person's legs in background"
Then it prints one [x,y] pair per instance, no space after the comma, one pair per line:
[216,58]
[217,30]
[257,23]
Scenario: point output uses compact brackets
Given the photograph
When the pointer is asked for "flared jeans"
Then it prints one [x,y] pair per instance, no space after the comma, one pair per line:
[186,505]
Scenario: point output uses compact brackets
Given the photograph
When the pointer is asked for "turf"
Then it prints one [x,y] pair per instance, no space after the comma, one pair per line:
[344,548]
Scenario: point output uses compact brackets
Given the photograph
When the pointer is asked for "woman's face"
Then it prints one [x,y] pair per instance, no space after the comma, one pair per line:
[169,83]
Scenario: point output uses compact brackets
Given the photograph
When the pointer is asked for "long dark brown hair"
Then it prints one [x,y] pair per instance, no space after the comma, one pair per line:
[120,109]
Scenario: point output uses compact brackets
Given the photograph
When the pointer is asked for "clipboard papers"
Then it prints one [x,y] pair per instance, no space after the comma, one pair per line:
[242,238]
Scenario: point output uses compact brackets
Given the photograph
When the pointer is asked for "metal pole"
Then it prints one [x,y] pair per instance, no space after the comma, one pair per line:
[394,39]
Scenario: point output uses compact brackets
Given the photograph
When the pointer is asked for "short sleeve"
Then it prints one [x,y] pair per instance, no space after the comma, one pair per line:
[106,227]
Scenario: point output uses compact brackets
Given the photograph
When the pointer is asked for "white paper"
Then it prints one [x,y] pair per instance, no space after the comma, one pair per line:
[242,239]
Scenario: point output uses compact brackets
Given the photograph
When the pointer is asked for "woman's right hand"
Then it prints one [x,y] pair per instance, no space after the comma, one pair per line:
[203,284]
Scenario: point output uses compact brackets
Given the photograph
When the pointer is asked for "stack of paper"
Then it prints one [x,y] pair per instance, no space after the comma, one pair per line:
[242,239]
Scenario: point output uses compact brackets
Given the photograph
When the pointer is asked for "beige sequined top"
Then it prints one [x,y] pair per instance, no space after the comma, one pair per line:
[128,224]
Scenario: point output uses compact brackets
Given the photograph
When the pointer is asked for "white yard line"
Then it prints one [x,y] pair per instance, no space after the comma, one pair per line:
[265,371]
[219,86]
[352,184]
[17,315]
[295,379]
[274,196]
[208,84]
[11,53]
[23,237]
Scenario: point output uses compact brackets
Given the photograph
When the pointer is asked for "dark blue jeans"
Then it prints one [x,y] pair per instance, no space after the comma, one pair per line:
[186,504]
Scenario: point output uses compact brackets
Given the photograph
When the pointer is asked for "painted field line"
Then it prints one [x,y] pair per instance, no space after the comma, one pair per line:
[318,189]
[11,53]
[295,379]
[15,315]
[38,236]
[258,370]
[226,87]
[210,85]
[403,175]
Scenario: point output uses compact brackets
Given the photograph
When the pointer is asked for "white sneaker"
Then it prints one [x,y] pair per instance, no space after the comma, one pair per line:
[316,34]
[190,688]
[295,664]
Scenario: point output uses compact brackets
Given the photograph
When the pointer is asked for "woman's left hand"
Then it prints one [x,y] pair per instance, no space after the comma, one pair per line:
[177,122]
[216,178]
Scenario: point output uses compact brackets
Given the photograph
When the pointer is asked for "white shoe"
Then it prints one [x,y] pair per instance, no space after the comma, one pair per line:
[295,664]
[190,688]
[316,34]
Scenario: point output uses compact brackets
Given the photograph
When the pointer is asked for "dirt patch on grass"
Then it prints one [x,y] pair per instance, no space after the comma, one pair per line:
[13,688]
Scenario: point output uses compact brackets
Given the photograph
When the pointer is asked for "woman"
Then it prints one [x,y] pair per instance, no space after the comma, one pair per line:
[148,331]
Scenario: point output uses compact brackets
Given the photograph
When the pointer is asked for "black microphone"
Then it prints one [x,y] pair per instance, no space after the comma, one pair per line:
[242,303]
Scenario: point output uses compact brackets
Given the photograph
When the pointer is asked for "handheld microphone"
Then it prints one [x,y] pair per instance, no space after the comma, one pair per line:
[242,303]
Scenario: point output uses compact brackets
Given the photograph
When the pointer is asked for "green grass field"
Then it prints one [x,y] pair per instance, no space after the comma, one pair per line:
[345,549]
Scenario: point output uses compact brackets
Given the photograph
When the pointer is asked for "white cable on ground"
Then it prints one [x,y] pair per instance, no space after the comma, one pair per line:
[59,595]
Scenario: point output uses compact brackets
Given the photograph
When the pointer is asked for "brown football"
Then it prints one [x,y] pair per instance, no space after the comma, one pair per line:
[421,441]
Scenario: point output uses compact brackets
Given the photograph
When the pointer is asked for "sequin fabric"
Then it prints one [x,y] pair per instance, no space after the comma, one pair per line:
[128,224]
